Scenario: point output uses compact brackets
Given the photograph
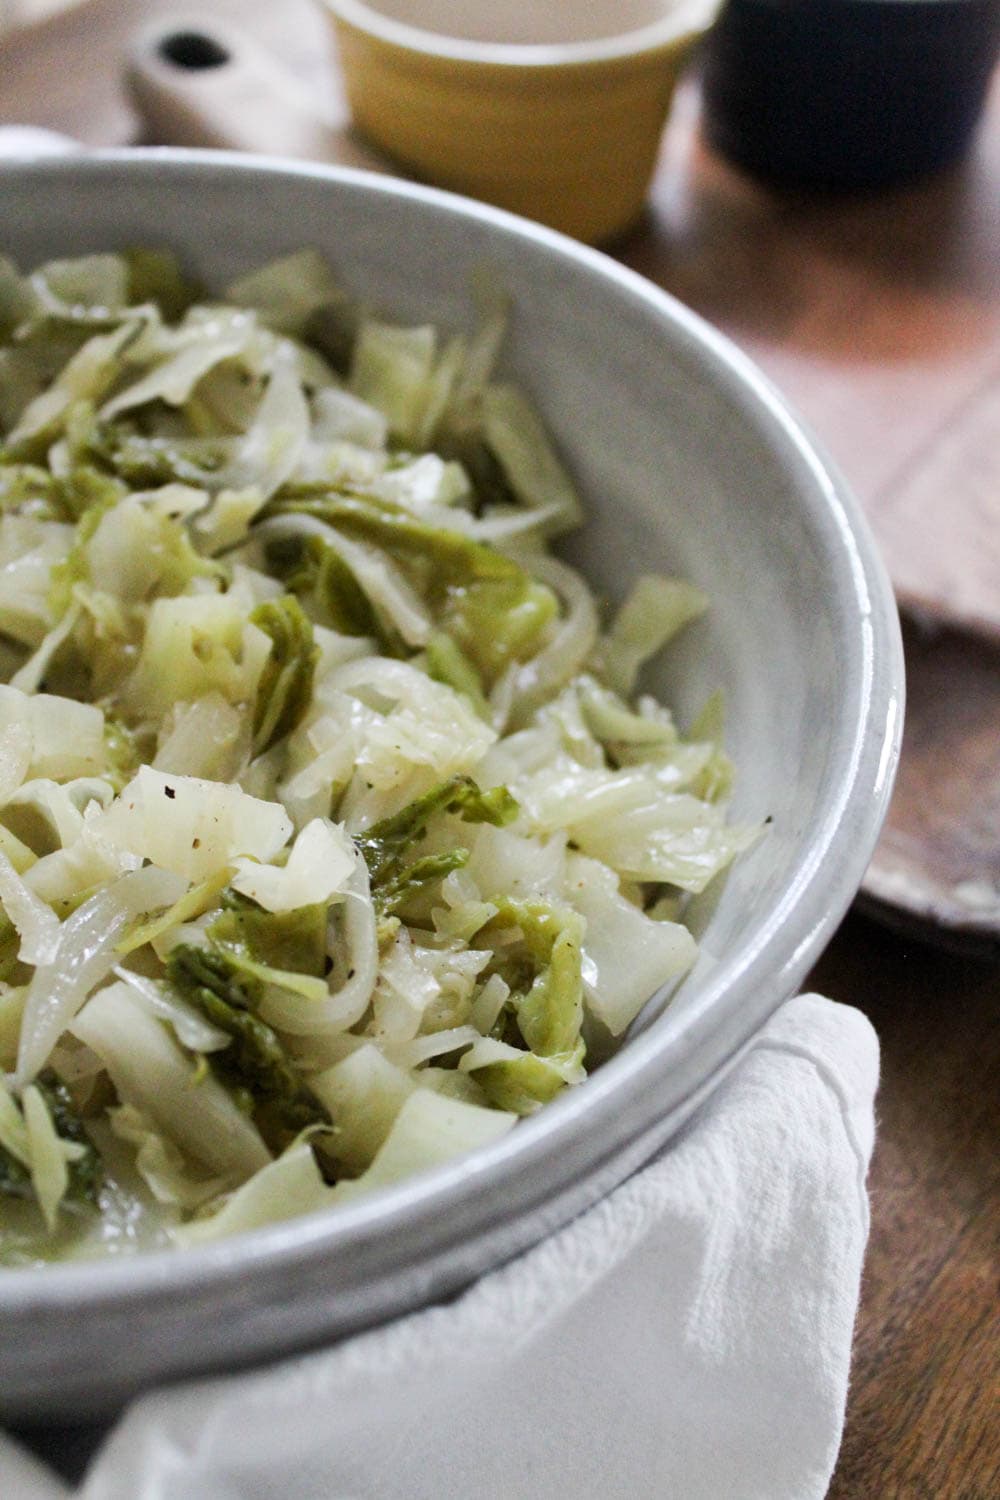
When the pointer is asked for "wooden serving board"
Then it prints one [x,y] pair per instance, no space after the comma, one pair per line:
[879,318]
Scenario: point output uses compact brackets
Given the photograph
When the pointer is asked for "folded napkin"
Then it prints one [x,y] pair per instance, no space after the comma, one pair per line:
[687,1339]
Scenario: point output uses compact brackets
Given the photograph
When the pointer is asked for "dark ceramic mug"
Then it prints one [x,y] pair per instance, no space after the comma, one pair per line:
[848,94]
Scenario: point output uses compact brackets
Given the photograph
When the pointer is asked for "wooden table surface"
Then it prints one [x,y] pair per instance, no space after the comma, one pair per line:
[880,319]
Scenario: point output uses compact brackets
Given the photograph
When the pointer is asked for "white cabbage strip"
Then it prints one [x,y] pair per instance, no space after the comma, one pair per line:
[81,957]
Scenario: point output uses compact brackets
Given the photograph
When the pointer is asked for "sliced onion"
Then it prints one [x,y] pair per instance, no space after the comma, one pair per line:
[36,923]
[345,1006]
[384,584]
[422,1048]
[49,1172]
[82,957]
[271,447]
[541,678]
[29,677]
[190,1027]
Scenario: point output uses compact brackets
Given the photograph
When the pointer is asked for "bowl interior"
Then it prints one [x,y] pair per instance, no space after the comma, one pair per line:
[689,464]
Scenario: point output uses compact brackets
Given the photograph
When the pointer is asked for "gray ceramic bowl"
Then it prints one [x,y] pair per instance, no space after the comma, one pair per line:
[690,463]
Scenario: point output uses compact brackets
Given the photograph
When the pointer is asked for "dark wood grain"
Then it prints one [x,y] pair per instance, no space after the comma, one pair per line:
[939,855]
[922,1414]
[879,316]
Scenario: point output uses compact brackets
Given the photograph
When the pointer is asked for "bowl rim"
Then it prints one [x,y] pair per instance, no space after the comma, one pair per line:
[450,1205]
[685,19]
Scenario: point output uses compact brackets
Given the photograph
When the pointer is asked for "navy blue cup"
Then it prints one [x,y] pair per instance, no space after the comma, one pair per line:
[848,94]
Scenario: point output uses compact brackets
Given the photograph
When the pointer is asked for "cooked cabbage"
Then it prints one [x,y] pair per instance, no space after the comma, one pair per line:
[330,828]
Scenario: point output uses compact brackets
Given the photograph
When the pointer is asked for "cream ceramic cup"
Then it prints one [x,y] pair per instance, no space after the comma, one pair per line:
[554,110]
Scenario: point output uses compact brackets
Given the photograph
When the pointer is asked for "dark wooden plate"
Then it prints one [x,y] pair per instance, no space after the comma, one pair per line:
[937,866]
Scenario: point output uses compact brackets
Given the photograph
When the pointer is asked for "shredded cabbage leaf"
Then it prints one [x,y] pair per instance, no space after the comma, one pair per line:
[333,822]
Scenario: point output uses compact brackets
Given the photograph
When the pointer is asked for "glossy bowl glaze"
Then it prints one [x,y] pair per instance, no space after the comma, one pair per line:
[689,463]
[553,111]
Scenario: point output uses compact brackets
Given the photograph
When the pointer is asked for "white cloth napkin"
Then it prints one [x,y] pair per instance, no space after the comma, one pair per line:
[687,1339]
